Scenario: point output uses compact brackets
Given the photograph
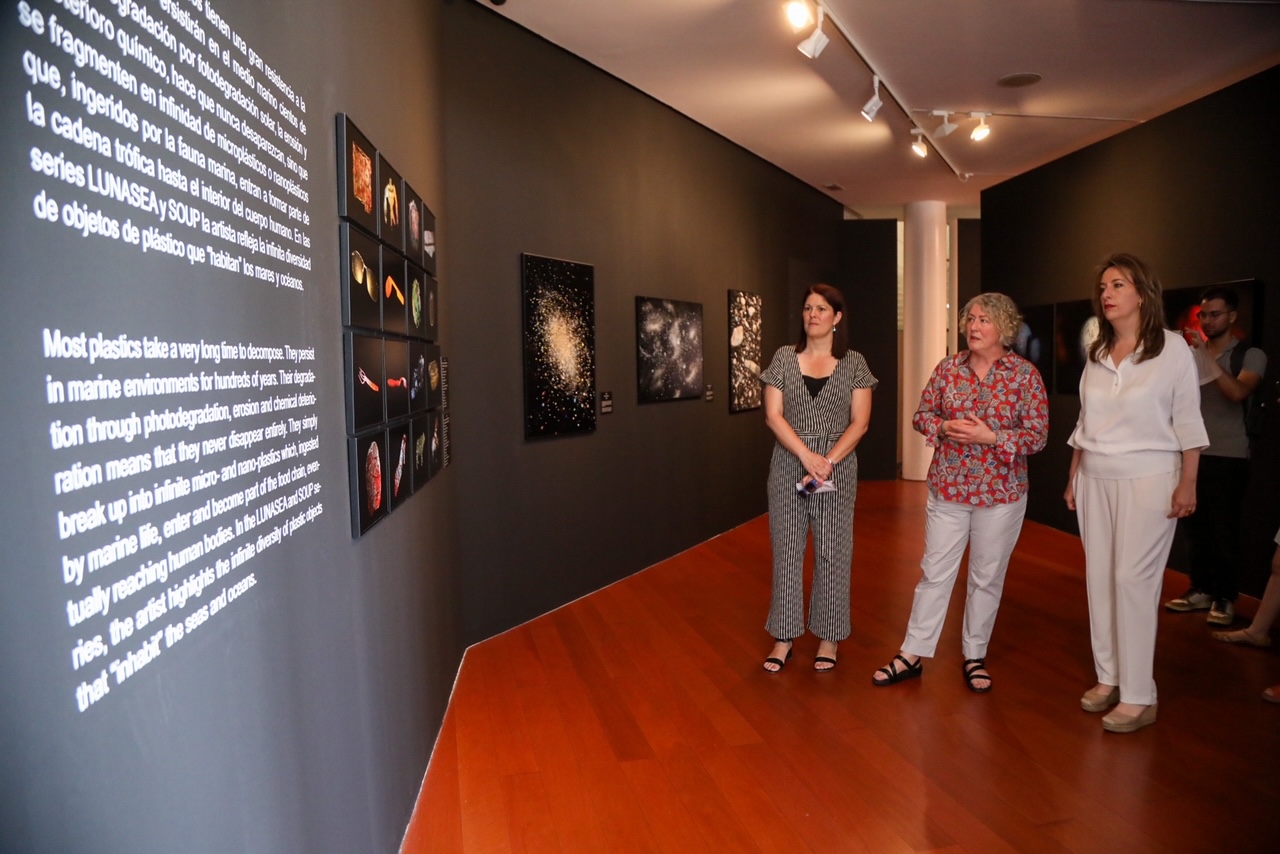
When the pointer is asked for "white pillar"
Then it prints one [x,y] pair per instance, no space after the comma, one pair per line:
[924,319]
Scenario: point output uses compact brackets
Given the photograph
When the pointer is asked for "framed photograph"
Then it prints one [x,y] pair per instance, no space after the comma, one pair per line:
[431,308]
[428,241]
[399,482]
[745,331]
[367,457]
[668,349]
[559,331]
[357,161]
[396,354]
[360,261]
[412,224]
[420,454]
[416,299]
[435,443]
[1035,341]
[435,376]
[1074,329]
[390,210]
[417,376]
[365,382]
[395,301]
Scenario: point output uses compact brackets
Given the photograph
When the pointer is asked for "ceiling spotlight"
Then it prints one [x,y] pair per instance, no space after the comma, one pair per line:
[947,125]
[918,146]
[873,106]
[799,15]
[816,41]
[982,130]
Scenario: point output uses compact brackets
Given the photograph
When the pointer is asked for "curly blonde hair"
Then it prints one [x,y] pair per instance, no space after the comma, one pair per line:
[1002,311]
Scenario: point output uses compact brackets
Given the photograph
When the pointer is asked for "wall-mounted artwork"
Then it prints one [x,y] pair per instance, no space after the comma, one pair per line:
[417,376]
[745,331]
[396,354]
[1034,341]
[412,224]
[668,349]
[559,346]
[395,301]
[357,159]
[399,481]
[360,260]
[429,241]
[431,308]
[435,443]
[415,297]
[365,381]
[435,377]
[394,374]
[420,453]
[368,462]
[1074,329]
[390,206]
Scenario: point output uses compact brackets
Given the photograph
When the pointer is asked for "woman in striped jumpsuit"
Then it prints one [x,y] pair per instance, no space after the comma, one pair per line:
[817,397]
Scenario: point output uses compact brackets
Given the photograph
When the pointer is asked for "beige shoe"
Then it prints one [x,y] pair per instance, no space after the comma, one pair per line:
[1116,722]
[1094,702]
[1242,636]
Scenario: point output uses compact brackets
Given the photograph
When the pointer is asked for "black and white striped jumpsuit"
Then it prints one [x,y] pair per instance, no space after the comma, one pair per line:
[819,422]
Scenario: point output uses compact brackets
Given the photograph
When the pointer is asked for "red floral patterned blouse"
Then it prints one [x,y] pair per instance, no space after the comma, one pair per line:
[1010,400]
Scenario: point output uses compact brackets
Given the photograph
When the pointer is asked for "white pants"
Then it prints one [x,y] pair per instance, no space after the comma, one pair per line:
[991,533]
[1126,536]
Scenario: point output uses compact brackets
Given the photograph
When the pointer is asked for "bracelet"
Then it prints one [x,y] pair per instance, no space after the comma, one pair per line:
[831,462]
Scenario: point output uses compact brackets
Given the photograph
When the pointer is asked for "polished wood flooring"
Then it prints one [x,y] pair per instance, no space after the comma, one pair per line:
[639,719]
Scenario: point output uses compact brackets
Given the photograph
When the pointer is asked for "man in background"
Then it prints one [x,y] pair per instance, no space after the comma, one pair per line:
[1213,531]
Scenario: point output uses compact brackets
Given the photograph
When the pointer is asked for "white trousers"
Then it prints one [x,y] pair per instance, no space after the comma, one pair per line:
[1127,537]
[991,533]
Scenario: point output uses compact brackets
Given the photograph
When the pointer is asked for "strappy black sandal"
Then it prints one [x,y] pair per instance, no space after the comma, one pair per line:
[972,666]
[781,662]
[909,671]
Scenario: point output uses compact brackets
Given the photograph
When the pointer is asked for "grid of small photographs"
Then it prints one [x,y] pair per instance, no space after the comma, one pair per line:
[394,374]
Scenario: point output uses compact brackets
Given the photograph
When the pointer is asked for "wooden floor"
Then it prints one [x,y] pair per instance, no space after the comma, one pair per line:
[639,719]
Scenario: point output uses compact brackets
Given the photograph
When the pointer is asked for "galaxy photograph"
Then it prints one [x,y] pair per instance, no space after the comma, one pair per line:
[559,347]
[668,349]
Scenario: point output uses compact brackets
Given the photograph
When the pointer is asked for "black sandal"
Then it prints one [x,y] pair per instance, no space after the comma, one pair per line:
[971,668]
[780,661]
[910,671]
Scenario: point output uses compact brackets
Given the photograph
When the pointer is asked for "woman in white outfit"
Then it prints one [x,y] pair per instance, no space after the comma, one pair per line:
[1133,475]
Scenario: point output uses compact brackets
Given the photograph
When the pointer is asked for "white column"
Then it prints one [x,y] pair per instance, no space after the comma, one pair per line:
[924,319]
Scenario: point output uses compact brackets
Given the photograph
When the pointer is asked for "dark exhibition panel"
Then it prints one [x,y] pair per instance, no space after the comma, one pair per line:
[548,156]
[1193,193]
[242,570]
[199,655]
[868,278]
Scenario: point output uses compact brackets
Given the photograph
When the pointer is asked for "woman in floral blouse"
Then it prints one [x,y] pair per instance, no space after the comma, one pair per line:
[983,411]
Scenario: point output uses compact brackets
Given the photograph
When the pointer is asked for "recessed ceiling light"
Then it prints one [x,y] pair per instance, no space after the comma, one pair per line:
[1020,79]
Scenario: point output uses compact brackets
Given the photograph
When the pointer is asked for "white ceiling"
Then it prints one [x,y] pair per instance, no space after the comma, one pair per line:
[733,66]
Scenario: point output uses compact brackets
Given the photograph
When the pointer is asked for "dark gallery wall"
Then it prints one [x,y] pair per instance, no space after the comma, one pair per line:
[547,155]
[868,278]
[301,716]
[1193,193]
